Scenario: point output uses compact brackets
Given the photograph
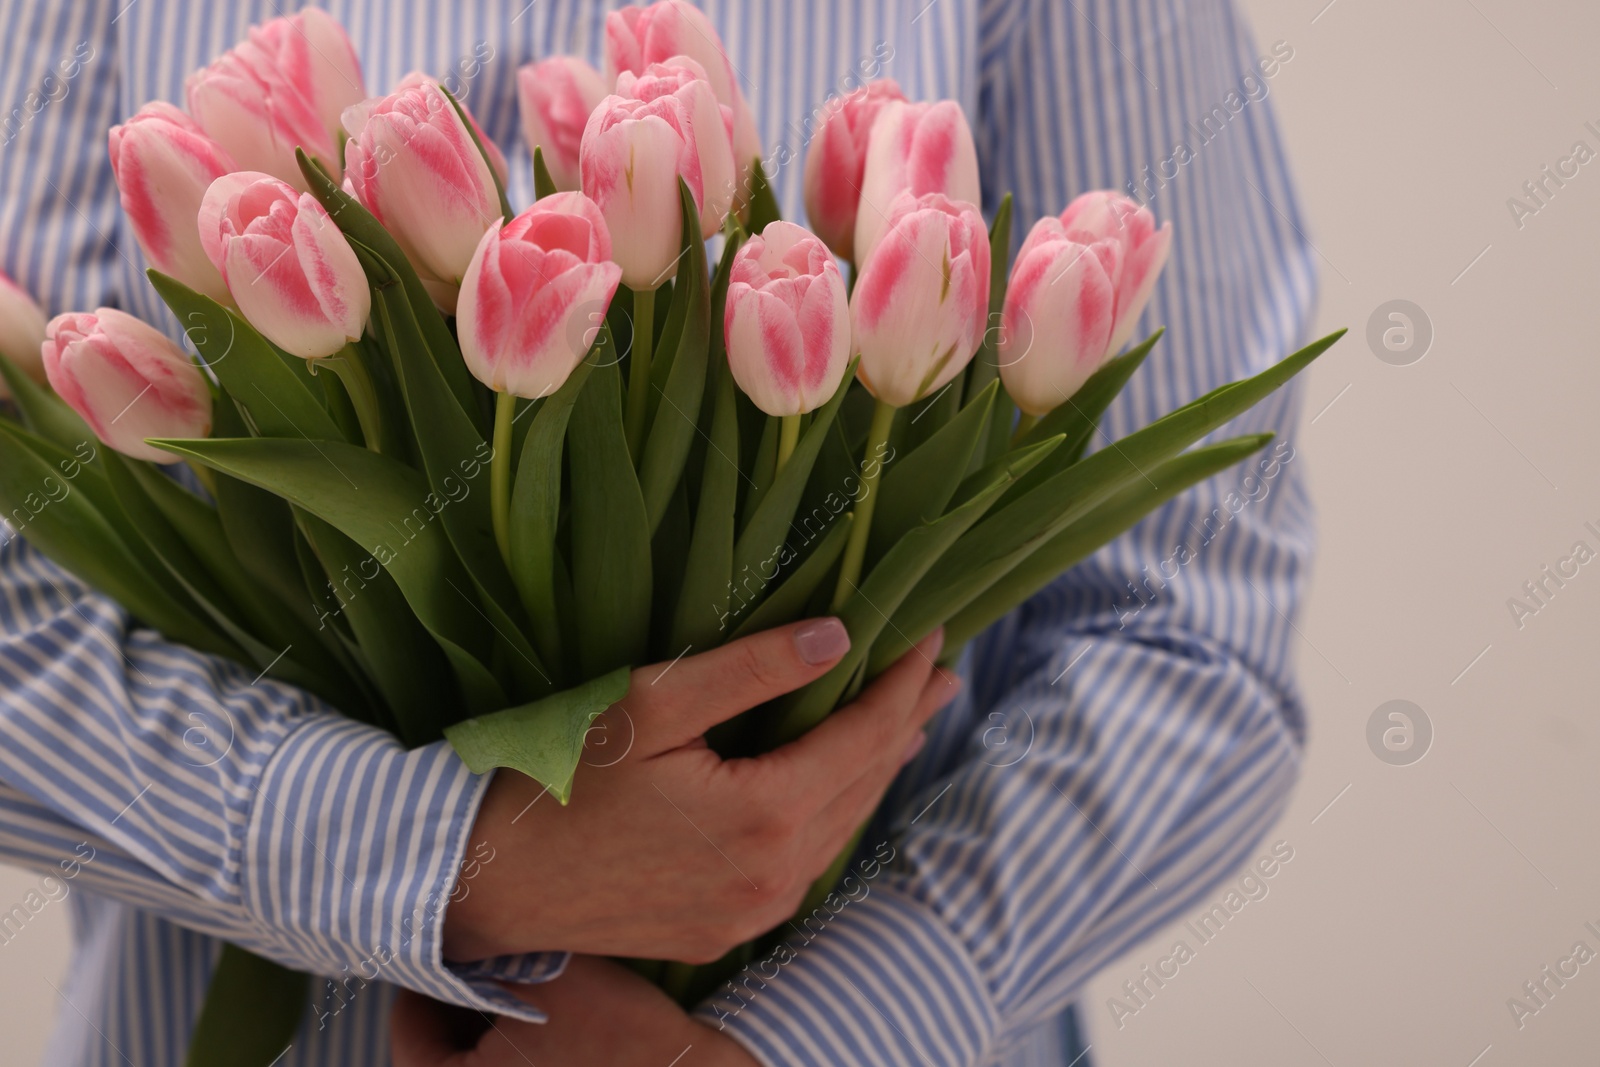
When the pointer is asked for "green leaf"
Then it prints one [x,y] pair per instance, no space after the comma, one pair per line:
[672,428]
[45,413]
[454,455]
[1013,531]
[544,739]
[764,470]
[986,367]
[919,486]
[611,571]
[536,509]
[543,184]
[788,602]
[764,535]
[252,1010]
[868,610]
[357,223]
[1078,415]
[701,616]
[1099,527]
[763,203]
[406,665]
[390,511]
[275,399]
[56,514]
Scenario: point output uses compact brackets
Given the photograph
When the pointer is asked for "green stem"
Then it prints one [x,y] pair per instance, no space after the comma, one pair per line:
[855,550]
[505,412]
[644,323]
[1025,422]
[788,437]
[351,367]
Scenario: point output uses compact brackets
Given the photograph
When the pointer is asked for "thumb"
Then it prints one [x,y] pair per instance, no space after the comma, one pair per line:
[672,704]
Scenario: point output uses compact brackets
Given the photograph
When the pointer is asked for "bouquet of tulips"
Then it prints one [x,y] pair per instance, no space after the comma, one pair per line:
[458,468]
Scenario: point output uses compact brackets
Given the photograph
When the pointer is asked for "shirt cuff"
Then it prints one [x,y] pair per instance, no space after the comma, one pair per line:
[872,978]
[356,846]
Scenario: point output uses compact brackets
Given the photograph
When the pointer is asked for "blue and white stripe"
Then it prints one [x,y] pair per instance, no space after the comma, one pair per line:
[1160,743]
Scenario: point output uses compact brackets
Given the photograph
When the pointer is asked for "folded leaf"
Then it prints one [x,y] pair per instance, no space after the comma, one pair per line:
[389,510]
[276,400]
[869,609]
[544,739]
[543,184]
[611,569]
[986,366]
[1102,525]
[788,602]
[673,424]
[45,413]
[919,485]
[56,515]
[763,203]
[1005,538]
[701,619]
[536,509]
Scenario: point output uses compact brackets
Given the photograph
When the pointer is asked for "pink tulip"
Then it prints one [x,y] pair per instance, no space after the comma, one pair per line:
[837,159]
[282,87]
[915,148]
[534,295]
[919,307]
[412,163]
[788,320]
[21,330]
[1078,287]
[497,159]
[657,127]
[128,381]
[290,270]
[163,165]
[557,96]
[637,37]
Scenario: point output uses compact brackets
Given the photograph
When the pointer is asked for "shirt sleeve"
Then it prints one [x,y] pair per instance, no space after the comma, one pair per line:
[1149,730]
[237,806]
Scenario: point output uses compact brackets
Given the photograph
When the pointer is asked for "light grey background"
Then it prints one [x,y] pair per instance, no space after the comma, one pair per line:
[1420,897]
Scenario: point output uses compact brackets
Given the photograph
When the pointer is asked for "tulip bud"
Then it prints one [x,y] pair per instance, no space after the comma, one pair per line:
[283,87]
[1078,287]
[658,127]
[787,322]
[411,162]
[920,304]
[536,290]
[556,97]
[128,381]
[637,37]
[21,330]
[163,165]
[497,159]
[290,270]
[915,148]
[836,160]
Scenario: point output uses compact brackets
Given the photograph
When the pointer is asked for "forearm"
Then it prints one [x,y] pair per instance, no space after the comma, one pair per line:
[241,808]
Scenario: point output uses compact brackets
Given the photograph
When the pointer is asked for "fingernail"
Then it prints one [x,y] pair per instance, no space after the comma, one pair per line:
[822,640]
[918,739]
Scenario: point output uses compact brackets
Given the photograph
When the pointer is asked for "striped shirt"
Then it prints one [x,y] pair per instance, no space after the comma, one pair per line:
[1125,739]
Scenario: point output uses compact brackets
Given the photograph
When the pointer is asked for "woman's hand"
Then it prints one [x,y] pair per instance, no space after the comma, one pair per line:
[671,852]
[601,1014]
